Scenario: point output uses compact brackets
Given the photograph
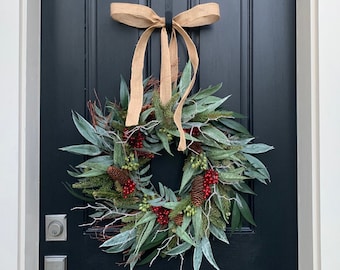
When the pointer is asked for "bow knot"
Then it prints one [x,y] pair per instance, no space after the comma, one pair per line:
[140,16]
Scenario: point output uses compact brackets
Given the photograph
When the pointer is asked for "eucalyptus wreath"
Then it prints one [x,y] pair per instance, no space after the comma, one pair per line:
[151,220]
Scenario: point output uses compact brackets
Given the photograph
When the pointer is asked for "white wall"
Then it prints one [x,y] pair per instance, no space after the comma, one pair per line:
[19,133]
[9,119]
[329,104]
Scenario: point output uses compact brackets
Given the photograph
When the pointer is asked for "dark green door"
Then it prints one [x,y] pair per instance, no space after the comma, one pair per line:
[251,50]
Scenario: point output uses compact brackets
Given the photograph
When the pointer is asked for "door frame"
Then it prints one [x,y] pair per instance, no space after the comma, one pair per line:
[308,145]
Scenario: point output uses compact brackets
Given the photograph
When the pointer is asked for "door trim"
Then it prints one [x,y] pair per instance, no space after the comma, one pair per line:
[307,136]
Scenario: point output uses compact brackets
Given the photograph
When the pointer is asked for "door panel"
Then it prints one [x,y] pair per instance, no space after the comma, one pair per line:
[251,50]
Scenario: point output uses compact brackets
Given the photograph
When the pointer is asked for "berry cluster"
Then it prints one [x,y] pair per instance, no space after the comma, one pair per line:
[195,132]
[190,210]
[210,178]
[162,214]
[128,188]
[135,140]
[199,161]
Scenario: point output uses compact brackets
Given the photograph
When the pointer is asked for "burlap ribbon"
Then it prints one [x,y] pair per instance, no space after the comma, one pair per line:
[140,16]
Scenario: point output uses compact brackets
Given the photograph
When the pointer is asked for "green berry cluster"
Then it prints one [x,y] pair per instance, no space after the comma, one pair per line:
[166,131]
[131,164]
[144,206]
[190,210]
[199,161]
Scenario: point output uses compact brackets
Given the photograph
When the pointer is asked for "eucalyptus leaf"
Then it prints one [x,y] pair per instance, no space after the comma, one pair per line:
[104,160]
[118,155]
[215,105]
[218,154]
[256,148]
[124,93]
[207,92]
[182,234]
[257,164]
[243,187]
[218,233]
[119,248]
[165,141]
[82,149]
[120,238]
[91,173]
[85,128]
[187,175]
[185,78]
[180,249]
[232,124]
[154,240]
[244,209]
[215,134]
[148,216]
[207,251]
[197,223]
[235,217]
[145,234]
[197,257]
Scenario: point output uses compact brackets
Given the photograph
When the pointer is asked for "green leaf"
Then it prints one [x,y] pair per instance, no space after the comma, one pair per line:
[215,134]
[258,165]
[185,78]
[234,175]
[75,194]
[148,216]
[180,249]
[207,251]
[82,149]
[103,160]
[124,93]
[215,105]
[148,258]
[154,241]
[119,248]
[120,238]
[164,139]
[207,92]
[218,233]
[145,234]
[219,154]
[197,257]
[244,209]
[232,124]
[144,115]
[253,174]
[243,187]
[118,154]
[257,148]
[197,223]
[184,236]
[187,136]
[90,173]
[187,175]
[171,205]
[85,128]
[235,217]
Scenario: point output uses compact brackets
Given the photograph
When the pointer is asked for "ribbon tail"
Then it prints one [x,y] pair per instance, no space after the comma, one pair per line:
[136,82]
[193,57]
[174,57]
[165,77]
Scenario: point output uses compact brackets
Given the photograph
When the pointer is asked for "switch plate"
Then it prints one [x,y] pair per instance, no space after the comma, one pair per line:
[56,262]
[56,227]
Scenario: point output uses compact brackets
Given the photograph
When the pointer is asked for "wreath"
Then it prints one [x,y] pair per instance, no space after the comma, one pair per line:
[147,220]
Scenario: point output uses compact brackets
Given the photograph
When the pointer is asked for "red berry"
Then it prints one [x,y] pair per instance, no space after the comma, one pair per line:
[128,188]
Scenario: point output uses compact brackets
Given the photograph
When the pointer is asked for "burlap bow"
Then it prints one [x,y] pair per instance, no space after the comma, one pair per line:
[144,17]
